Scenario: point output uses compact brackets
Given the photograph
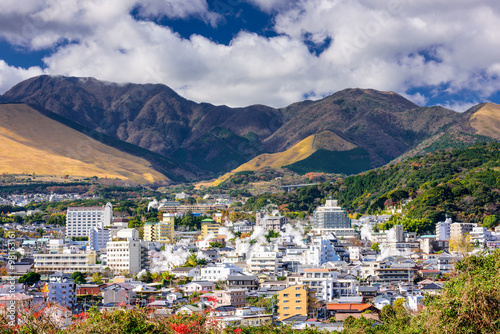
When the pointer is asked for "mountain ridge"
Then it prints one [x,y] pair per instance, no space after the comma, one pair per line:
[30,143]
[203,141]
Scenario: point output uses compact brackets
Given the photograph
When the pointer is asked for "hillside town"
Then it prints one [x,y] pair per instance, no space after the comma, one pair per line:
[268,268]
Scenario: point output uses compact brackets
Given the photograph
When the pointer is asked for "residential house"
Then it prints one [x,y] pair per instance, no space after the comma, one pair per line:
[241,281]
[117,293]
[199,286]
[342,311]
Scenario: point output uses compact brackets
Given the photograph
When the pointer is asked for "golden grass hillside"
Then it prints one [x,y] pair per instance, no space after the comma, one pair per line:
[324,140]
[487,120]
[33,143]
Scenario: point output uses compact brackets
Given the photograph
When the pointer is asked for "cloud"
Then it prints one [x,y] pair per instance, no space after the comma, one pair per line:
[387,45]
[459,106]
[269,6]
[10,75]
[416,98]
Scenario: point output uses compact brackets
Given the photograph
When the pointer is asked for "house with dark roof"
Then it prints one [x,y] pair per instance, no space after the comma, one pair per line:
[432,289]
[367,292]
[241,281]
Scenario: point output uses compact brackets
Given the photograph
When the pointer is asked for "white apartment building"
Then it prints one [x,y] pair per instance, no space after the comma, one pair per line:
[443,230]
[61,289]
[265,260]
[79,221]
[331,218]
[55,246]
[243,226]
[69,261]
[329,283]
[98,238]
[125,253]
[481,235]
[218,272]
[354,253]
[321,251]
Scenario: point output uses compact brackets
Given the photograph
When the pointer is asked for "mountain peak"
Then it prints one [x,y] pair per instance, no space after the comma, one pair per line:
[486,120]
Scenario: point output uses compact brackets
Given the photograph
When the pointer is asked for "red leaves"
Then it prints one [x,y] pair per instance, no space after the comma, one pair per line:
[180,328]
[214,300]
[238,330]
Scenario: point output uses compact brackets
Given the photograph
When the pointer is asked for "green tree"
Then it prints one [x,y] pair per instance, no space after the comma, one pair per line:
[490,221]
[57,219]
[40,231]
[146,277]
[376,247]
[97,278]
[30,277]
[215,244]
[271,234]
[79,277]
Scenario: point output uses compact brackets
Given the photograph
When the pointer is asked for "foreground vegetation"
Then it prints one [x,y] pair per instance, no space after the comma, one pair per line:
[469,303]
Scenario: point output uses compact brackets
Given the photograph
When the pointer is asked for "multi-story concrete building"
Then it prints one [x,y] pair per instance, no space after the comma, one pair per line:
[126,252]
[443,230]
[163,231]
[241,281]
[231,297]
[270,223]
[243,226]
[265,260]
[328,283]
[80,220]
[98,238]
[481,235]
[395,273]
[61,289]
[69,261]
[324,249]
[219,272]
[458,230]
[296,300]
[330,216]
[209,226]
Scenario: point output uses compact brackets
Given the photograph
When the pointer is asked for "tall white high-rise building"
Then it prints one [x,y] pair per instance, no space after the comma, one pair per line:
[443,229]
[79,221]
[330,216]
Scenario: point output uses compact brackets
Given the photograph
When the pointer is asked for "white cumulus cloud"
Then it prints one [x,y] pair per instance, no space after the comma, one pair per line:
[387,45]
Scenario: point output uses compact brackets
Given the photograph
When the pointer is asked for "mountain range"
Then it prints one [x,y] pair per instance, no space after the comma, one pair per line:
[348,132]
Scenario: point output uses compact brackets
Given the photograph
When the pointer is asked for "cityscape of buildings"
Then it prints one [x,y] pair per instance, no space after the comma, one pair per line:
[332,267]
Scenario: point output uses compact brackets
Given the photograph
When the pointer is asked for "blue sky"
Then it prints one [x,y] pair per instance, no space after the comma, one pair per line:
[274,52]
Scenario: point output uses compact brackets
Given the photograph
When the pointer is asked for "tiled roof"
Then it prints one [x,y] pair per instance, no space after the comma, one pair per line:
[348,307]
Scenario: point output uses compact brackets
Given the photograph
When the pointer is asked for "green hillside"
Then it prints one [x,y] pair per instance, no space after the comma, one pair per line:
[342,162]
[461,183]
